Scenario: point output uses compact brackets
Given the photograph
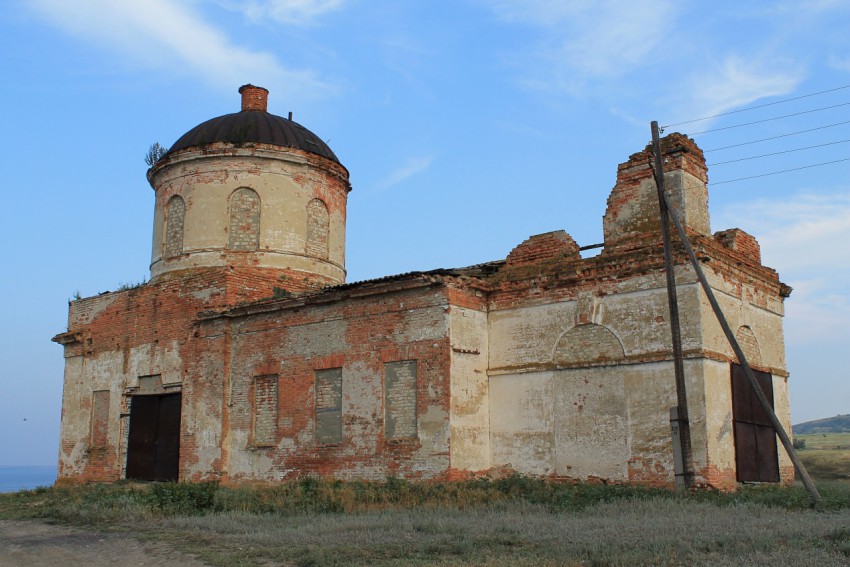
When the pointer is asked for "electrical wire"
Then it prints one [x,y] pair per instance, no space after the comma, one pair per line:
[755,107]
[776,137]
[778,172]
[771,119]
[778,153]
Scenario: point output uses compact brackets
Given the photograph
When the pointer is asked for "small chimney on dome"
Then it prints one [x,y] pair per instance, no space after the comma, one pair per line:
[254,98]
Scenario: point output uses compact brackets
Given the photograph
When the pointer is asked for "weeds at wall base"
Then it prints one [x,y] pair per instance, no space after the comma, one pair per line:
[125,501]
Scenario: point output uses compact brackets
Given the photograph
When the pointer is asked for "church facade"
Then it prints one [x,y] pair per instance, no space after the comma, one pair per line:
[247,357]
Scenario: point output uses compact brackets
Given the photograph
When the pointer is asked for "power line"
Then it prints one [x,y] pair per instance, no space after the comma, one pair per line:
[771,119]
[778,172]
[778,153]
[776,137]
[755,107]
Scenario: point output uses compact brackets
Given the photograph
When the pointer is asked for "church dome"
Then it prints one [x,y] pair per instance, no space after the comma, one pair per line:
[254,125]
[254,194]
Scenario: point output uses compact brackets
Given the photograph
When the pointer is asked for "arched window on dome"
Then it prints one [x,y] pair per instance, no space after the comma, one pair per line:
[318,226]
[244,229]
[175,211]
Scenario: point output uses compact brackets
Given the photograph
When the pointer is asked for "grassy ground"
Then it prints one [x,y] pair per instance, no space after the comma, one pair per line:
[826,455]
[515,521]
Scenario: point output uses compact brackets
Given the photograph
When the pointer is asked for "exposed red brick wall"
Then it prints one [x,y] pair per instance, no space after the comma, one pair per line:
[361,335]
[254,98]
[739,241]
[264,401]
[548,246]
[99,418]
[632,212]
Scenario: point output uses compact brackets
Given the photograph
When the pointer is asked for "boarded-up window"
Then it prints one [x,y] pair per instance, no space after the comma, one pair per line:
[244,229]
[265,410]
[329,406]
[400,400]
[749,344]
[99,418]
[318,224]
[174,213]
[588,343]
[756,455]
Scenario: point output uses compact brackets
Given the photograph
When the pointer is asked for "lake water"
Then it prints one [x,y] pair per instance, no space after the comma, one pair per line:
[13,479]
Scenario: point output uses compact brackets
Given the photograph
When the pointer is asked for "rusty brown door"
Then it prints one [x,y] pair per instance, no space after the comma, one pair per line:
[756,456]
[153,447]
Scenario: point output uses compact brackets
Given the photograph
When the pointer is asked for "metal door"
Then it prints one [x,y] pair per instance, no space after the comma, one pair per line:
[153,447]
[756,456]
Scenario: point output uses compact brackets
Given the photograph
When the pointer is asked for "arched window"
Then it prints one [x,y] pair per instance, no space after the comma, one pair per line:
[588,343]
[749,344]
[318,225]
[175,210]
[244,230]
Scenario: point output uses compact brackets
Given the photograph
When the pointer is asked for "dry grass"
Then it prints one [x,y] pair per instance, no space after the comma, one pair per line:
[660,532]
[826,455]
[516,521]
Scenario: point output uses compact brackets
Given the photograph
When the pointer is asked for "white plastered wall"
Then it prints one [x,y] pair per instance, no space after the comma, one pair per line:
[470,410]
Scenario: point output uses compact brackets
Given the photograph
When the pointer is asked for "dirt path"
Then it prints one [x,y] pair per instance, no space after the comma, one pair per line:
[35,544]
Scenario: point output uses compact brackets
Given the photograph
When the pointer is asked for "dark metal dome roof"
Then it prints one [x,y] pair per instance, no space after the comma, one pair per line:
[254,126]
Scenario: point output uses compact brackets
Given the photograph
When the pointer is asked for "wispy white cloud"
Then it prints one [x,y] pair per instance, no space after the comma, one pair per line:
[802,232]
[736,82]
[167,34]
[411,166]
[586,39]
[290,12]
[805,238]
[539,12]
[804,7]
[841,63]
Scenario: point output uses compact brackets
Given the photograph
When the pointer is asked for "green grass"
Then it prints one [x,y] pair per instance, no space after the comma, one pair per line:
[826,455]
[512,521]
[819,441]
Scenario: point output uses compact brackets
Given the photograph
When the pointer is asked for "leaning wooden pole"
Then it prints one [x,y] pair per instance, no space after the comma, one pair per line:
[675,329]
[730,336]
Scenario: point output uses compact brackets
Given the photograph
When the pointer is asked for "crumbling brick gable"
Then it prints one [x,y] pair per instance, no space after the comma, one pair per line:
[541,247]
[741,242]
[631,217]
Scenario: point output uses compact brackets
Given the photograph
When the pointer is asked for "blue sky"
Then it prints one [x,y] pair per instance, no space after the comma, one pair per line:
[467,125]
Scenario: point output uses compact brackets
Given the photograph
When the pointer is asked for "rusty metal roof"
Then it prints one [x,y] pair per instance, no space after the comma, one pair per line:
[254,126]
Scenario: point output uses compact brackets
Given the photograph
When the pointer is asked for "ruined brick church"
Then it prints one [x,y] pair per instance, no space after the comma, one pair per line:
[247,357]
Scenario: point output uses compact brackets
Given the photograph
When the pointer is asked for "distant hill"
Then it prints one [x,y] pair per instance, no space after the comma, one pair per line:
[837,424]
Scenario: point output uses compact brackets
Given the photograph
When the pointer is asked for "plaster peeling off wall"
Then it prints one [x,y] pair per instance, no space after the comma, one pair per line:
[591,428]
[470,408]
[745,307]
[101,456]
[522,421]
[526,336]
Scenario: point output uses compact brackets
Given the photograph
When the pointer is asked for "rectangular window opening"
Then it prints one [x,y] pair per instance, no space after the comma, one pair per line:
[100,418]
[400,400]
[264,411]
[329,406]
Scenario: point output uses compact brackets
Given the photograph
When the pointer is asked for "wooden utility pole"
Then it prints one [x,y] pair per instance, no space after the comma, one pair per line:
[730,336]
[679,417]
